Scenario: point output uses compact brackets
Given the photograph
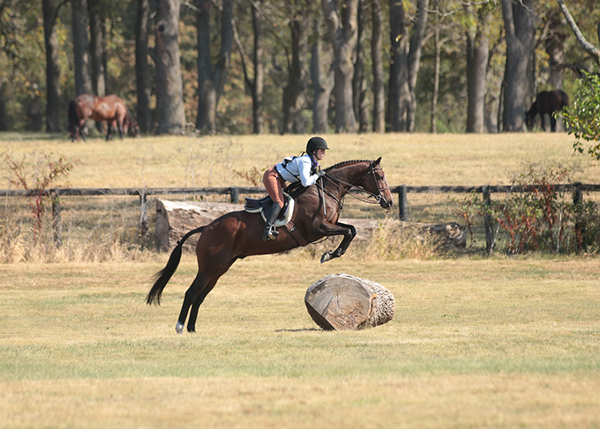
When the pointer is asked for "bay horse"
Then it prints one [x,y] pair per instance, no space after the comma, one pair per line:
[238,234]
[110,109]
[546,102]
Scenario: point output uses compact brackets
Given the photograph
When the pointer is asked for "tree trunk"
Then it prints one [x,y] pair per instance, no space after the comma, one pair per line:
[81,53]
[293,94]
[97,45]
[258,121]
[211,80]
[359,83]
[322,84]
[142,70]
[53,91]
[344,302]
[3,113]
[169,91]
[554,44]
[436,81]
[414,58]
[343,35]
[520,30]
[377,63]
[478,49]
[404,67]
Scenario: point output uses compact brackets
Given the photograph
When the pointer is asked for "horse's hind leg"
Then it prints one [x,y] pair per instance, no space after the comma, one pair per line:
[191,294]
[191,326]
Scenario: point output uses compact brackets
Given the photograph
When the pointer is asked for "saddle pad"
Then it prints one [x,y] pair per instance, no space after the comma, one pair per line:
[259,206]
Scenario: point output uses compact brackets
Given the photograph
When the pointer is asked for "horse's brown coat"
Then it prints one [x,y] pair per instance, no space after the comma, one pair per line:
[110,109]
[239,234]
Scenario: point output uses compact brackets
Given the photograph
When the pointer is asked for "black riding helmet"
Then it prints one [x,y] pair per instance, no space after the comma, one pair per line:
[316,143]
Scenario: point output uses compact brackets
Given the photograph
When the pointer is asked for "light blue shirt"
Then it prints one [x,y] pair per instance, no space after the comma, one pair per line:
[297,169]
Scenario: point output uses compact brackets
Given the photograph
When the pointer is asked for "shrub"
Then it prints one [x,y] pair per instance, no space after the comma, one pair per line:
[538,214]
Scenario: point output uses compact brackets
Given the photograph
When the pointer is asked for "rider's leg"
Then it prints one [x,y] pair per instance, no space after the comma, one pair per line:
[274,185]
[270,232]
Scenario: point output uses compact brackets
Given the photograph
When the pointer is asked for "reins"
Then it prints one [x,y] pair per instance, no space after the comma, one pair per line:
[339,182]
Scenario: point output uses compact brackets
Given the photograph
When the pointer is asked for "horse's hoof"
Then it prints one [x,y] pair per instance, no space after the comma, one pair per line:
[327,256]
[179,328]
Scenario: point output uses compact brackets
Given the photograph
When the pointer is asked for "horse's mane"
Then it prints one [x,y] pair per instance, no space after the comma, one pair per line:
[341,164]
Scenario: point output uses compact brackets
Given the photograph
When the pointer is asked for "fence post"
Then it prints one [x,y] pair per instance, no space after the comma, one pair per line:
[235,194]
[489,236]
[56,218]
[402,203]
[578,208]
[143,215]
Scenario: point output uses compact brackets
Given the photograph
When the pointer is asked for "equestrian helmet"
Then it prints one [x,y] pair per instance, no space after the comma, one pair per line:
[316,143]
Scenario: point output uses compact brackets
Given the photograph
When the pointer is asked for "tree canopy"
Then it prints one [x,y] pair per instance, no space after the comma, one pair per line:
[438,80]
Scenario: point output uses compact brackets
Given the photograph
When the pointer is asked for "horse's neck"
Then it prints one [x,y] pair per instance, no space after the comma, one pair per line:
[348,176]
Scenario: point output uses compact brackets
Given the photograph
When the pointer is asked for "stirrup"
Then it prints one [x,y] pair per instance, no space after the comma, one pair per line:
[270,233]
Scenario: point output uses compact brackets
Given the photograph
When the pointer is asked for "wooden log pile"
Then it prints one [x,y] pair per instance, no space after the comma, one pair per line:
[449,235]
[343,302]
[175,218]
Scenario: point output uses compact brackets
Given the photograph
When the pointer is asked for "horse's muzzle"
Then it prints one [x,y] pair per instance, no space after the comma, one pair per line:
[385,203]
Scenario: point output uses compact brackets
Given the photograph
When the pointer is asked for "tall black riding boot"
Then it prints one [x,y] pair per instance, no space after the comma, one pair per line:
[270,232]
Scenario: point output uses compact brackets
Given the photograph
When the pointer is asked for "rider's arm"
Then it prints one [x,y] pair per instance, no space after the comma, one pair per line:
[304,166]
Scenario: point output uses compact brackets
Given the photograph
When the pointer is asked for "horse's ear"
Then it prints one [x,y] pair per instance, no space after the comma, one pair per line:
[377,161]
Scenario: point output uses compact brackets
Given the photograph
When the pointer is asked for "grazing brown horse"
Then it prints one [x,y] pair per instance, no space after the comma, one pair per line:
[239,234]
[546,102]
[110,109]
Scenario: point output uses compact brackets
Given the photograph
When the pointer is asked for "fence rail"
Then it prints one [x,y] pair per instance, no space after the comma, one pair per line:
[235,191]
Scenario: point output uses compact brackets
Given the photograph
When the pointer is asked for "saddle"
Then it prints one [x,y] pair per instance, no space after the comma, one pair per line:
[262,205]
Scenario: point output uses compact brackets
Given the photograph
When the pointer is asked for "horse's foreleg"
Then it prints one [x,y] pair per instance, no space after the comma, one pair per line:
[109,130]
[348,231]
[552,122]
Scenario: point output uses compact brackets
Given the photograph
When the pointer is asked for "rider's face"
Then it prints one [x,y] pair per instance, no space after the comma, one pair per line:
[320,154]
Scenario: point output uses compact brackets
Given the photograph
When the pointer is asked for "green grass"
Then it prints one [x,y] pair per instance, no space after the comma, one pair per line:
[489,342]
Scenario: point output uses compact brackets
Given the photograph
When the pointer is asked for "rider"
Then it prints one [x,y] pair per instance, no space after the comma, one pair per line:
[303,168]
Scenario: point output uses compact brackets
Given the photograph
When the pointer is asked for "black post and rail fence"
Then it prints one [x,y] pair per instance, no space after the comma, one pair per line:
[577,190]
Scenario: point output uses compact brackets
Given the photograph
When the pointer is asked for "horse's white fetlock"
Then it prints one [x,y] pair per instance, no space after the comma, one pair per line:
[179,328]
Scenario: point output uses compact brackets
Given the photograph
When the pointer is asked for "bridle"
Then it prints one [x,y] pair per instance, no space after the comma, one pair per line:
[371,171]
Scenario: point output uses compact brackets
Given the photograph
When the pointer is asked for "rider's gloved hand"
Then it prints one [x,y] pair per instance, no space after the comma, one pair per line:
[321,173]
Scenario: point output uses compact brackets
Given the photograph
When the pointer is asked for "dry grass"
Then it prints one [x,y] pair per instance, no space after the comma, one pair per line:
[99,229]
[496,343]
[412,159]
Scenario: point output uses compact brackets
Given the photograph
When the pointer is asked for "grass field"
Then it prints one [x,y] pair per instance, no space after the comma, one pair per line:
[411,159]
[476,342]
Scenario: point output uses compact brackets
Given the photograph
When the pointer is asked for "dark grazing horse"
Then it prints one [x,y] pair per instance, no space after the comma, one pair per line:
[546,102]
[110,109]
[239,234]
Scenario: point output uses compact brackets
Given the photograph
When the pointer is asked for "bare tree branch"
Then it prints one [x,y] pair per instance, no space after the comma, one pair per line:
[585,45]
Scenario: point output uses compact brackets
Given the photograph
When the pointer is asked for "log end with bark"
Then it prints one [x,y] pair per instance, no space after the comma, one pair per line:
[346,303]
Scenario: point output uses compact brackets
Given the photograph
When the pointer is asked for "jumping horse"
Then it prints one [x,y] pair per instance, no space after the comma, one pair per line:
[238,234]
[110,109]
[546,102]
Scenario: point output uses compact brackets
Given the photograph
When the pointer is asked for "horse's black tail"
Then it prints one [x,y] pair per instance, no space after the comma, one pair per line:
[164,275]
[73,117]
